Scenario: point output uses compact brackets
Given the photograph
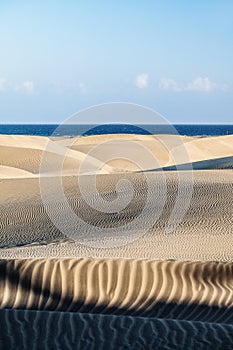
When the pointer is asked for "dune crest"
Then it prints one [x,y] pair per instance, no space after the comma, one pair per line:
[27,152]
[113,286]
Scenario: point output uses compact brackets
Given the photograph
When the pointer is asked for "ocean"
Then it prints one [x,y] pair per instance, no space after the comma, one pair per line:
[77,130]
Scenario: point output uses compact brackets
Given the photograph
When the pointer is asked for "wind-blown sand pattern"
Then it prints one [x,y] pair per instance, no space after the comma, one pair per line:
[117,286]
[205,232]
[116,304]
[22,330]
[165,290]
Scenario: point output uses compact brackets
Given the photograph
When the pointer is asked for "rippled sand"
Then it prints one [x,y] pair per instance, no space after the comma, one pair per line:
[22,329]
[179,281]
[115,286]
[205,233]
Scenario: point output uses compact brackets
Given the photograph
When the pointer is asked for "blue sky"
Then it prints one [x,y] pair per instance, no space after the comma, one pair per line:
[175,56]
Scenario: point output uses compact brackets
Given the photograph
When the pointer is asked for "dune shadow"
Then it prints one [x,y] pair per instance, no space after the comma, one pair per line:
[25,329]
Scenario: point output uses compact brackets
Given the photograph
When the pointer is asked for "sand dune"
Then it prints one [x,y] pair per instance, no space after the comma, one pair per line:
[24,141]
[165,148]
[130,287]
[7,172]
[26,152]
[215,163]
[205,232]
[63,330]
[163,288]
[210,147]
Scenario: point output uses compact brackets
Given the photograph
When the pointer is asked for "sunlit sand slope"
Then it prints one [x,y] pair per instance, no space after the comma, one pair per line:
[113,286]
[204,233]
[27,152]
[168,150]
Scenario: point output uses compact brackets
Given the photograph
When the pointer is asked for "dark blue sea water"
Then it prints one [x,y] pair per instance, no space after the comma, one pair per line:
[76,130]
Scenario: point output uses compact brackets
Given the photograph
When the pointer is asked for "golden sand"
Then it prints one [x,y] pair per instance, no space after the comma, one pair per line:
[113,285]
[45,269]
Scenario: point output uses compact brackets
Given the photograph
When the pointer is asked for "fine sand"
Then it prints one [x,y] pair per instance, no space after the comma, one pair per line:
[204,233]
[148,271]
[26,153]
[23,329]
[115,286]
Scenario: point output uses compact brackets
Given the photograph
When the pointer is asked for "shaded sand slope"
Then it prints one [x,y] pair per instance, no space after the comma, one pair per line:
[129,287]
[25,329]
[219,163]
[205,232]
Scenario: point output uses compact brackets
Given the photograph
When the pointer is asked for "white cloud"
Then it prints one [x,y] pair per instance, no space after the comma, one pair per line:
[27,87]
[169,84]
[142,81]
[3,84]
[82,88]
[197,84]
[202,84]
[57,86]
[64,87]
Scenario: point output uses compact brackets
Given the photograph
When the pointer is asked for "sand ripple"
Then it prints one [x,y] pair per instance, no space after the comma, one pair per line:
[60,330]
[205,232]
[132,287]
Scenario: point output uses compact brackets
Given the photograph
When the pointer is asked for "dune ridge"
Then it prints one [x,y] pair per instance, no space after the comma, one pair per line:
[27,152]
[161,290]
[116,286]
